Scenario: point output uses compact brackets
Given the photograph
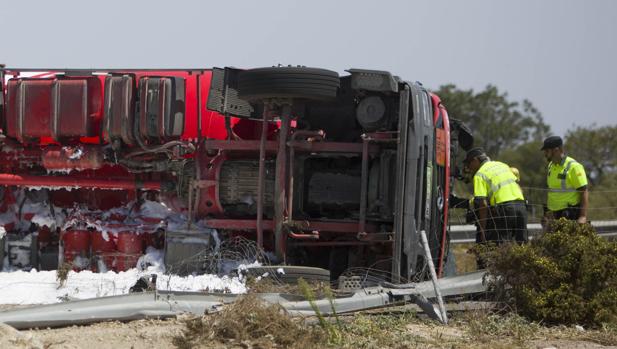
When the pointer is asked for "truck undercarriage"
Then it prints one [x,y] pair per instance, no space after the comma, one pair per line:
[318,169]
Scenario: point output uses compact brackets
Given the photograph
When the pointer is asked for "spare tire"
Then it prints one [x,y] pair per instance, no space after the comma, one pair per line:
[288,82]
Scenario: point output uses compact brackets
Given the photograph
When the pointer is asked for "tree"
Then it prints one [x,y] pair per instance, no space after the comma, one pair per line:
[497,123]
[594,147]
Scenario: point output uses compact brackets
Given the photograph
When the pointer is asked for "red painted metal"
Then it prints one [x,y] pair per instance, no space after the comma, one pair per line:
[99,244]
[268,225]
[212,123]
[70,158]
[76,243]
[210,171]
[330,147]
[339,243]
[15,157]
[130,247]
[130,242]
[56,108]
[440,110]
[45,237]
[312,236]
[199,107]
[76,107]
[29,108]
[39,104]
[74,182]
[104,250]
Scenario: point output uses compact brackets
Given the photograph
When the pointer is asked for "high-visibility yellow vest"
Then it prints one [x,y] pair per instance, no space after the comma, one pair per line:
[495,181]
[563,180]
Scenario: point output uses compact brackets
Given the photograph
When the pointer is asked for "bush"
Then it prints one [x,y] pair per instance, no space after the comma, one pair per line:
[568,276]
[249,322]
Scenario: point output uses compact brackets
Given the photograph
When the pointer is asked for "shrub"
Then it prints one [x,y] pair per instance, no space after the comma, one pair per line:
[249,322]
[568,276]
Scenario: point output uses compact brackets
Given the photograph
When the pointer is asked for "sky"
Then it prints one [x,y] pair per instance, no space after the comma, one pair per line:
[559,54]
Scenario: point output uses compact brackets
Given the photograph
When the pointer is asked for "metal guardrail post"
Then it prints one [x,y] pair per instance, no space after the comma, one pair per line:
[431,266]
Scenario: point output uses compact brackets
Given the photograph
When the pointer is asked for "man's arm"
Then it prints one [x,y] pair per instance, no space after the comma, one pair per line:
[578,179]
[582,218]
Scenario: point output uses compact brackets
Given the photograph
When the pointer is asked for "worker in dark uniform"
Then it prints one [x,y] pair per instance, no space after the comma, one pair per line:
[567,184]
[498,199]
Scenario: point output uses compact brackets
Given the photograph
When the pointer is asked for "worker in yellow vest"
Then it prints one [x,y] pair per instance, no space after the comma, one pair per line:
[567,184]
[498,199]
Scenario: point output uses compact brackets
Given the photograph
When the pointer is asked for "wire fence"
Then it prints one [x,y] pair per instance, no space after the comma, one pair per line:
[221,259]
[602,205]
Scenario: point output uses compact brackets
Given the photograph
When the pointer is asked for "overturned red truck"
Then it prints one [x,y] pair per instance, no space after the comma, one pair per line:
[318,169]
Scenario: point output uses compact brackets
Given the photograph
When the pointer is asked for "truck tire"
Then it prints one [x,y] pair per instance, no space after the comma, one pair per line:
[291,273]
[288,82]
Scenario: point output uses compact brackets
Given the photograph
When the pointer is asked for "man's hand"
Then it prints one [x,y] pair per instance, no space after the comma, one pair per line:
[582,219]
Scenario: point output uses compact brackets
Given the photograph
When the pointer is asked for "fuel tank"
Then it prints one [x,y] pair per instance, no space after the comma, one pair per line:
[60,108]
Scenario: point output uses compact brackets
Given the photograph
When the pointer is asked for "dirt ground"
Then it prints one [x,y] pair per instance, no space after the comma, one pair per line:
[141,334]
[148,334]
[437,336]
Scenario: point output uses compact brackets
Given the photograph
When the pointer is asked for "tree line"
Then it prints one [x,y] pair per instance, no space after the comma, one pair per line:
[513,131]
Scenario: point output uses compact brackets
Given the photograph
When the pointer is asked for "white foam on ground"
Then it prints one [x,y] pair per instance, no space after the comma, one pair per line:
[41,287]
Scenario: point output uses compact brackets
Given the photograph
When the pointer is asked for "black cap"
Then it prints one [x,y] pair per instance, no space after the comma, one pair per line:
[472,153]
[552,142]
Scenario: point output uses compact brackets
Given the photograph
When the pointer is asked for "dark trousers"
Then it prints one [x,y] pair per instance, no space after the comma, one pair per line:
[572,213]
[506,222]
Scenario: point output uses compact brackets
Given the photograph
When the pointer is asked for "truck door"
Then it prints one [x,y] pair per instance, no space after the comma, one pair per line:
[416,183]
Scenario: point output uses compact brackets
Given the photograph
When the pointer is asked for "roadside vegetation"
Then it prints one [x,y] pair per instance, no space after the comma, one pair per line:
[567,276]
[251,324]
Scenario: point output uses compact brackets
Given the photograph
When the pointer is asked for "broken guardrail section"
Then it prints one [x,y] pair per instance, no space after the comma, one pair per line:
[164,304]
